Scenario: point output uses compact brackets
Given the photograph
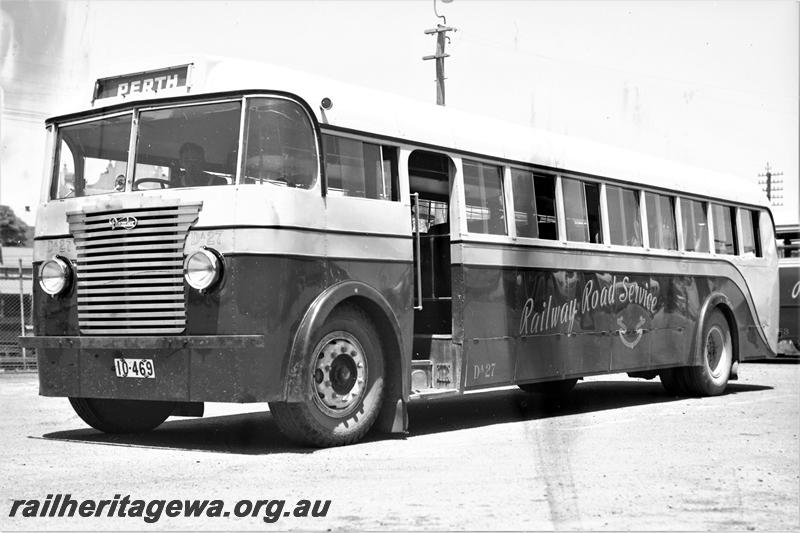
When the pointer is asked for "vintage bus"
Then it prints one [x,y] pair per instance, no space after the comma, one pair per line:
[789,282]
[220,231]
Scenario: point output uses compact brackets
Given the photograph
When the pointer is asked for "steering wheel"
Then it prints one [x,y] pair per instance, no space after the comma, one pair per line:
[165,184]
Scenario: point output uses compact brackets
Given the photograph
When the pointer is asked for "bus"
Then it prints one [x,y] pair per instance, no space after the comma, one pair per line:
[789,281]
[224,231]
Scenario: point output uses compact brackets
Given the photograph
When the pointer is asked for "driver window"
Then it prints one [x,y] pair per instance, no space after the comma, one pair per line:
[187,146]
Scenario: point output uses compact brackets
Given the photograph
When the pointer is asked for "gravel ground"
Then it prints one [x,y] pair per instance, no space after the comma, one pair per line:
[618,454]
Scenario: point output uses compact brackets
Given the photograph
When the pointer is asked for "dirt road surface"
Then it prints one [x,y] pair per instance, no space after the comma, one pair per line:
[618,454]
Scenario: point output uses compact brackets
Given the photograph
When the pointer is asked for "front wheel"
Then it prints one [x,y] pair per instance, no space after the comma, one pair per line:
[122,416]
[344,373]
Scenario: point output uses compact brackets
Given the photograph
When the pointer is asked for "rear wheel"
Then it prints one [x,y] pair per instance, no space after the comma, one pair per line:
[344,373]
[122,416]
[716,358]
[550,388]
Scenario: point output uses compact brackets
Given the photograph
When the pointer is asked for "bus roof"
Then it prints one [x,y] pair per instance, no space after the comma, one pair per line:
[391,116]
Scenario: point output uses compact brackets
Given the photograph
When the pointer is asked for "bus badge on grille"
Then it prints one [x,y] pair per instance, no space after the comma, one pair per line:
[127,222]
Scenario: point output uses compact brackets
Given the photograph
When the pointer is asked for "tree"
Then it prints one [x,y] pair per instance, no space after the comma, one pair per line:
[13,230]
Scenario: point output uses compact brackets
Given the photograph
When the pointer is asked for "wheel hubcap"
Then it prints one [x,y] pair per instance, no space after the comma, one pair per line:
[715,350]
[340,374]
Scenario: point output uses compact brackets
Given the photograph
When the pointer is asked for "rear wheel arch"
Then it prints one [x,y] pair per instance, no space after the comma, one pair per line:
[716,302]
[695,379]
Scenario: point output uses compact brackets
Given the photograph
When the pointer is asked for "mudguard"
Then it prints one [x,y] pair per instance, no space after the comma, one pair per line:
[715,299]
[388,330]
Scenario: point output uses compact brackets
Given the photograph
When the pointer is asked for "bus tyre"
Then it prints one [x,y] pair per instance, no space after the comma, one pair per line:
[716,358]
[345,376]
[672,381]
[122,416]
[550,388]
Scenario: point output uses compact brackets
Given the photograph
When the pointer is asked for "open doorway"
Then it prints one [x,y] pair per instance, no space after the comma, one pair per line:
[430,177]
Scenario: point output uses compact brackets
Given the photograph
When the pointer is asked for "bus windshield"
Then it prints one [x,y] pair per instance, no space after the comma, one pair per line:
[188,146]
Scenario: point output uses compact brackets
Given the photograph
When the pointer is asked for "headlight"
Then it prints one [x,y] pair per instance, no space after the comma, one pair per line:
[54,276]
[202,269]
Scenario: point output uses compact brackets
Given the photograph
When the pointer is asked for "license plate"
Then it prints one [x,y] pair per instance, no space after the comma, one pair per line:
[134,368]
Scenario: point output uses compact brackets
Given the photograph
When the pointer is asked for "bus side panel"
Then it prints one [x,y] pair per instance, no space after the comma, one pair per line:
[488,321]
[269,295]
[262,294]
[523,325]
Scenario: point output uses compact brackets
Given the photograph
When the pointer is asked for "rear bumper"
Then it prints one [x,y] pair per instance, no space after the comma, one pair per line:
[218,368]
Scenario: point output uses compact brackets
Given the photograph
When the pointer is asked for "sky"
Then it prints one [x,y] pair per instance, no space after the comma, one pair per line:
[711,84]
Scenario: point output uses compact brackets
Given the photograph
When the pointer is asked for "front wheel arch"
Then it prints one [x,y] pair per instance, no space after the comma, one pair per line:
[385,321]
[345,376]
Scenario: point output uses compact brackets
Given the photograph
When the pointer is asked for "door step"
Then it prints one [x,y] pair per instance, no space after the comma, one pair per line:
[436,366]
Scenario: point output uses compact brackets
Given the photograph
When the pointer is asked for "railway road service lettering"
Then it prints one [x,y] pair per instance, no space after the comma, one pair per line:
[547,316]
[631,293]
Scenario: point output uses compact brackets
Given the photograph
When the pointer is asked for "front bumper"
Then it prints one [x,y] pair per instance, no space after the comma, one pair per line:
[191,368]
[145,342]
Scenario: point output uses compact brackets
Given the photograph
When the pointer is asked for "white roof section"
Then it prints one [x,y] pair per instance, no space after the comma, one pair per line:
[385,114]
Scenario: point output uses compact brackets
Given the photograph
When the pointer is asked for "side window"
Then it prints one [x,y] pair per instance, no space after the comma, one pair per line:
[535,204]
[483,186]
[360,169]
[624,218]
[661,221]
[724,224]
[92,157]
[64,183]
[695,226]
[749,223]
[582,210]
[280,147]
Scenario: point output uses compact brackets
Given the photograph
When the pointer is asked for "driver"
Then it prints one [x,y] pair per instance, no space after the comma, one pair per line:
[192,159]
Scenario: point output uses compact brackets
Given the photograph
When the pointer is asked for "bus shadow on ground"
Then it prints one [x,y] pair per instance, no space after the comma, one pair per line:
[257,433]
[243,434]
[506,406]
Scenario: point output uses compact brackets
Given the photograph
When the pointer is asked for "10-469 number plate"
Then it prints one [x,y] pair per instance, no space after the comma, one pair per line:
[134,368]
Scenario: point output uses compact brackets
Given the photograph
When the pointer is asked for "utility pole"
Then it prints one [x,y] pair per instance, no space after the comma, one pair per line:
[441,34]
[770,186]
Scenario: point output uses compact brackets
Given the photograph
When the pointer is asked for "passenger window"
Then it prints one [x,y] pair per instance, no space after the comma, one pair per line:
[724,234]
[661,221]
[582,210]
[484,198]
[360,169]
[749,223]
[695,226]
[624,217]
[280,147]
[535,204]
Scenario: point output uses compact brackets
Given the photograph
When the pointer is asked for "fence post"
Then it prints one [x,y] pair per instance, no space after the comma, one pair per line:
[22,314]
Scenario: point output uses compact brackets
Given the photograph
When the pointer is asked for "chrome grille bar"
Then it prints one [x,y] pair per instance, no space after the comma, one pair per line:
[130,269]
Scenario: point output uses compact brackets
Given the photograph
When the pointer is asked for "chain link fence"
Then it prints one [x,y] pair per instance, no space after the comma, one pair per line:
[16,313]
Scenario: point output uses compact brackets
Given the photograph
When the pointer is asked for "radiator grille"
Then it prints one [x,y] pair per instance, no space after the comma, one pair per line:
[130,281]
